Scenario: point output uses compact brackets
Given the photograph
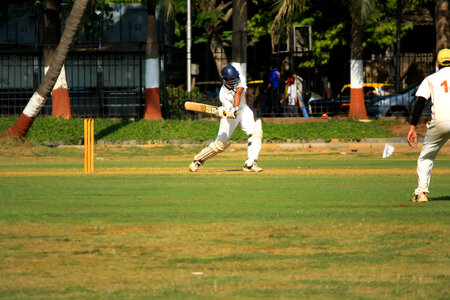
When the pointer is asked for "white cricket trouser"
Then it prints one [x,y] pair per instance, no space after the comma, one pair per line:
[437,135]
[245,118]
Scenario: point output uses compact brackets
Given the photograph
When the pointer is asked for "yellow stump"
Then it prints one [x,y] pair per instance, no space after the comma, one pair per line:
[88,145]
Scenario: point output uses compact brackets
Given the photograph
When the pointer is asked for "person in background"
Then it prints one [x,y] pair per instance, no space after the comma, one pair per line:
[273,90]
[327,87]
[261,101]
[299,85]
[293,97]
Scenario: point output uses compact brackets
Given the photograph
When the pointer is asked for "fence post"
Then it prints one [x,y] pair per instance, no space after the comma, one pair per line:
[100,92]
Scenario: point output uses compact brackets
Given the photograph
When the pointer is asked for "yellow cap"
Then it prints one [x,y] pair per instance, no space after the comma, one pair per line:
[443,58]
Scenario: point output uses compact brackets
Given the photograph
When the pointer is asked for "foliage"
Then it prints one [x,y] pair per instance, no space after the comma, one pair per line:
[285,11]
[258,26]
[176,99]
[331,23]
[97,11]
[381,28]
[361,10]
[207,19]
[323,45]
[330,20]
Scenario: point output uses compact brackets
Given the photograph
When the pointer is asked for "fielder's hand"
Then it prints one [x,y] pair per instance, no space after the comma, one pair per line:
[412,136]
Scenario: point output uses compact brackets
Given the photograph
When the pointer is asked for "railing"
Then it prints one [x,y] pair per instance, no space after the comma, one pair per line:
[112,85]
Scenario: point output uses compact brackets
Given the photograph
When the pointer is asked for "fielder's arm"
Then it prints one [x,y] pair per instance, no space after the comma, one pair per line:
[412,134]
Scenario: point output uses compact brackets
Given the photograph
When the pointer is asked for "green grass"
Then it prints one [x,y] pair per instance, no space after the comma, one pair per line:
[311,226]
[48,129]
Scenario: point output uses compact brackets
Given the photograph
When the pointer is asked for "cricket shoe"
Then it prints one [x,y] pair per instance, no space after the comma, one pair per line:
[421,197]
[193,167]
[253,168]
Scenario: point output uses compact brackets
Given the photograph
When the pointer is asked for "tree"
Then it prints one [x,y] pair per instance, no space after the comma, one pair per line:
[212,16]
[152,110]
[239,38]
[52,34]
[442,25]
[360,11]
[26,119]
[286,10]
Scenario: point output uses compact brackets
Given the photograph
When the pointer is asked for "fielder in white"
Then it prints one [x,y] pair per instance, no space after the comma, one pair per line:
[437,88]
[233,111]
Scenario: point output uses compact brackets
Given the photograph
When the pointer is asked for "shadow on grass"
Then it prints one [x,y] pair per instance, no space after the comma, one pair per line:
[443,198]
[111,129]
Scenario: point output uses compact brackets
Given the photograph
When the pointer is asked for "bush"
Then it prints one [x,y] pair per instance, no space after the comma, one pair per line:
[56,131]
[176,99]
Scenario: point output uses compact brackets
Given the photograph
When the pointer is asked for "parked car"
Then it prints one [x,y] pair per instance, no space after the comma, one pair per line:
[341,103]
[400,105]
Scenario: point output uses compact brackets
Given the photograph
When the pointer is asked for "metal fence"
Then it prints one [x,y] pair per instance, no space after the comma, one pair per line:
[112,85]
[99,85]
[380,81]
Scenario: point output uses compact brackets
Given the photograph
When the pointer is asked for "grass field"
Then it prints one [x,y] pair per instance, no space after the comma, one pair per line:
[312,226]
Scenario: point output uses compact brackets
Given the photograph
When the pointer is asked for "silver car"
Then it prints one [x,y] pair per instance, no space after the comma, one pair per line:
[399,105]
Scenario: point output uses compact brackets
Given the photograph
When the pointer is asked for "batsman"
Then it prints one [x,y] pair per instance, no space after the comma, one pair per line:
[234,111]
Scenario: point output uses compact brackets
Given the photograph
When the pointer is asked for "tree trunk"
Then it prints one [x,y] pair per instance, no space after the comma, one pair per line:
[442,25]
[213,30]
[152,110]
[357,105]
[239,38]
[21,127]
[218,52]
[52,34]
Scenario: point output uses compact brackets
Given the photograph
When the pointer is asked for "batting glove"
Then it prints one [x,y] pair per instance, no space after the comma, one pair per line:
[232,113]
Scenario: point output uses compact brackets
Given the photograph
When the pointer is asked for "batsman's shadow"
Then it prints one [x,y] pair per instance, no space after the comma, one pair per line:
[443,198]
[111,129]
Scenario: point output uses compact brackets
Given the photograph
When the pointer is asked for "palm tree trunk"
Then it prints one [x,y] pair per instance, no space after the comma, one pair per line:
[357,105]
[218,52]
[442,25]
[52,34]
[152,110]
[213,31]
[239,38]
[21,127]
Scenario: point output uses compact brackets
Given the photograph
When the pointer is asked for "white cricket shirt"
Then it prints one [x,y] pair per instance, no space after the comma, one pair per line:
[437,87]
[226,96]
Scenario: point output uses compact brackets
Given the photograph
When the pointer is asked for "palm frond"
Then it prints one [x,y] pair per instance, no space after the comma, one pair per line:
[285,11]
[361,10]
[168,8]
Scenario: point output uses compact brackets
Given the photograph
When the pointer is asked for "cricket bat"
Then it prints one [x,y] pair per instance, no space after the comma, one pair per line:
[200,107]
[208,109]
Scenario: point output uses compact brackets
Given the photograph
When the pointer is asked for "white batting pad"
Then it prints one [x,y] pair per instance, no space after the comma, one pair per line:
[256,143]
[212,150]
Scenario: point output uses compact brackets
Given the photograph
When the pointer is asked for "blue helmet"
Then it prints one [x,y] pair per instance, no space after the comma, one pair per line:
[230,77]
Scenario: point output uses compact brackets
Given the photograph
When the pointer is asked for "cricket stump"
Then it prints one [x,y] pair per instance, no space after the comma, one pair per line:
[89,146]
